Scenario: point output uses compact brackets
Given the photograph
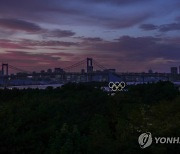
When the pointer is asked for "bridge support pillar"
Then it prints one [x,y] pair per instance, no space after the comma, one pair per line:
[89,65]
[5,69]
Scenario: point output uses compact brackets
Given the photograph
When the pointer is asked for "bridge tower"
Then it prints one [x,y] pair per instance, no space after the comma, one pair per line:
[89,65]
[5,69]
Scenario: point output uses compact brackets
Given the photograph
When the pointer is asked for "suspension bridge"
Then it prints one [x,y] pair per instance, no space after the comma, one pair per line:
[89,63]
[86,70]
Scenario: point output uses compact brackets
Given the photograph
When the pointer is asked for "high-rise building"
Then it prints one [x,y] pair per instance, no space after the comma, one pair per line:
[174,70]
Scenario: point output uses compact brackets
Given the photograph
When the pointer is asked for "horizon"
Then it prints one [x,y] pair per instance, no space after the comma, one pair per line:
[129,36]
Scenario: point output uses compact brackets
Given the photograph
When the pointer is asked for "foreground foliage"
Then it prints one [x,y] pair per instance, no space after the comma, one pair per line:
[81,118]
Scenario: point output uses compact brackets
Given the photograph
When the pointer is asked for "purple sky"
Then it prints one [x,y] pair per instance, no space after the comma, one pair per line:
[129,35]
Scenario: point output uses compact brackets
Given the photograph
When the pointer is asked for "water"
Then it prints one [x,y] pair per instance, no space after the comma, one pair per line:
[59,85]
[36,86]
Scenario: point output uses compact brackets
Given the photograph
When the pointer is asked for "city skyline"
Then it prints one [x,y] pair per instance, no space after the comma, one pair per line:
[131,35]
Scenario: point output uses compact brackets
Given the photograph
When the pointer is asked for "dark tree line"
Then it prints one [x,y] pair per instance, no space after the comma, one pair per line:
[83,119]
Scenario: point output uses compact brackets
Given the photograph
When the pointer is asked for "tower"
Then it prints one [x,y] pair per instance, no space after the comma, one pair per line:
[89,65]
[5,69]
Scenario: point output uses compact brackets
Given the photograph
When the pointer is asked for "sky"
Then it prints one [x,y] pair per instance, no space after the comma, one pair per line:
[128,35]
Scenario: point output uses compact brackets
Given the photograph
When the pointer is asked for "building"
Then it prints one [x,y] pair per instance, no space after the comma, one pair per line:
[83,71]
[58,70]
[49,71]
[110,70]
[150,71]
[174,70]
[42,71]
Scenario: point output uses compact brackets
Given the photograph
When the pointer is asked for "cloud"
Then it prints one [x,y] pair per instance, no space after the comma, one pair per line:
[148,27]
[81,12]
[178,18]
[138,48]
[35,44]
[35,62]
[115,2]
[114,14]
[90,39]
[53,43]
[8,44]
[163,61]
[128,22]
[22,25]
[25,58]
[137,53]
[119,22]
[161,28]
[17,24]
[59,33]
[126,44]
[169,27]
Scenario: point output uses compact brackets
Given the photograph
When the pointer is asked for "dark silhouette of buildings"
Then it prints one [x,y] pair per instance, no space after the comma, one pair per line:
[58,70]
[59,75]
[174,70]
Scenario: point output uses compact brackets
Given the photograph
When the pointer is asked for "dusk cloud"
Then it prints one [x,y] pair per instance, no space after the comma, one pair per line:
[139,48]
[36,62]
[30,27]
[120,22]
[8,44]
[71,12]
[17,24]
[53,43]
[148,27]
[169,27]
[115,2]
[59,33]
[161,28]
[90,39]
